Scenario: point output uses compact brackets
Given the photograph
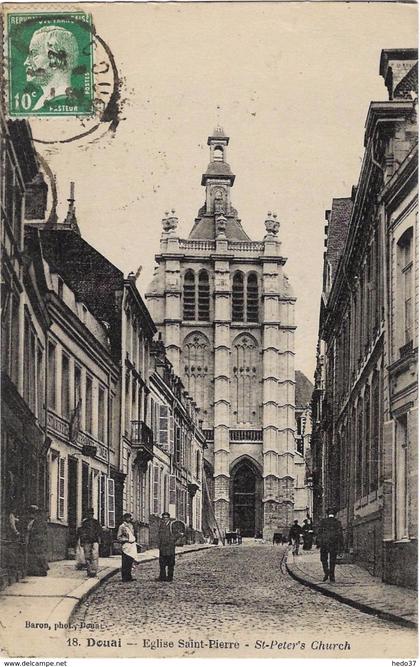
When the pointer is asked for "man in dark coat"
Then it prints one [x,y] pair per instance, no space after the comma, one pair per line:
[90,534]
[330,542]
[167,542]
[308,534]
[294,536]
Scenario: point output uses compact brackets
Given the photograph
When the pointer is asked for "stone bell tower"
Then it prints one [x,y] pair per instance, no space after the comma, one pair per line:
[226,313]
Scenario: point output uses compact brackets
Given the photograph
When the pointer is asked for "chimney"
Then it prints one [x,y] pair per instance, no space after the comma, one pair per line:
[394,66]
[36,198]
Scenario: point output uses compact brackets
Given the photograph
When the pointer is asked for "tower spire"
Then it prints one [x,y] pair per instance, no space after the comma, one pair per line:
[218,180]
[70,220]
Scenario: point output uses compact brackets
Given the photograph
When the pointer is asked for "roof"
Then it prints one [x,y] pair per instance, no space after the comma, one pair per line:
[303,390]
[395,54]
[20,134]
[338,225]
[205,228]
[218,169]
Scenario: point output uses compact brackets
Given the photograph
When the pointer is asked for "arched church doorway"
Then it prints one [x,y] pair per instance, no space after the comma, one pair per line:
[246,497]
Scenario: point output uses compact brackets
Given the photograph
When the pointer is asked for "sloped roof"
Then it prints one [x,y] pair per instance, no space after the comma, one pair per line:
[303,390]
[338,226]
[205,228]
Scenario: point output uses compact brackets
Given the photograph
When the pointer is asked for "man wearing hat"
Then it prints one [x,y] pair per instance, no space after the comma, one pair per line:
[167,541]
[90,534]
[129,553]
[330,542]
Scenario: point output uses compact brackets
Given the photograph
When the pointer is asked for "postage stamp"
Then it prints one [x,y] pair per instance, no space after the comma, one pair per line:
[50,64]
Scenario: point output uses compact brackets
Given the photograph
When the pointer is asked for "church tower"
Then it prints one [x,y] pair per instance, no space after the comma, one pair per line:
[225,310]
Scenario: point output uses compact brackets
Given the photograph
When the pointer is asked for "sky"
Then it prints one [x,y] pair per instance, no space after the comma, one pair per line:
[290,83]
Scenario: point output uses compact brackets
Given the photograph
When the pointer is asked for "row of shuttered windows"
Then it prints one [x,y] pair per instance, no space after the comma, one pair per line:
[167,491]
[98,491]
[173,439]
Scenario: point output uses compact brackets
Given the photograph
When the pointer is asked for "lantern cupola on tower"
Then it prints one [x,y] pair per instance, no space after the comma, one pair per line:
[218,180]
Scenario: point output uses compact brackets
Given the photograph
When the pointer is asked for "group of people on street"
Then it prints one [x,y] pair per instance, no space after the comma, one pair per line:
[33,532]
[306,531]
[89,536]
[329,540]
[168,538]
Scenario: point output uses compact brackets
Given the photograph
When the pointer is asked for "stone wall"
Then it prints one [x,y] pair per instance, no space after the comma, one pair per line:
[400,563]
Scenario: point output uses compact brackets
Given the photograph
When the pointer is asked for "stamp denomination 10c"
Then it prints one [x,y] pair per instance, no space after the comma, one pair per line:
[50,64]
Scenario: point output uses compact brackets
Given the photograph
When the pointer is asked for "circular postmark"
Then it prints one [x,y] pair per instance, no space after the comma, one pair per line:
[62,75]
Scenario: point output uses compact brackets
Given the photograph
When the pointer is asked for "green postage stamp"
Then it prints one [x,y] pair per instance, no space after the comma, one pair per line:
[50,64]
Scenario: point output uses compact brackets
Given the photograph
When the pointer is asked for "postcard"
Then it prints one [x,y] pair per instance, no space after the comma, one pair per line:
[209,330]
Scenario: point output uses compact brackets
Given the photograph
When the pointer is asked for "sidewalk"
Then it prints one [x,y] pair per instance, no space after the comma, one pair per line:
[36,611]
[356,587]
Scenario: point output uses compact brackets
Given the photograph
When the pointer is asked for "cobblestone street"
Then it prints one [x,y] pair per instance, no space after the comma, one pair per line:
[239,591]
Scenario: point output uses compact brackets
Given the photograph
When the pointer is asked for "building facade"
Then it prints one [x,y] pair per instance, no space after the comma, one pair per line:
[137,446]
[176,474]
[364,444]
[399,200]
[225,310]
[302,460]
[136,474]
[24,324]
[82,385]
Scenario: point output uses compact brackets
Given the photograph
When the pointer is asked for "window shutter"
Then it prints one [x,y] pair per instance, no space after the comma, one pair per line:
[155,490]
[177,444]
[155,421]
[163,427]
[111,503]
[171,434]
[102,501]
[172,489]
[61,487]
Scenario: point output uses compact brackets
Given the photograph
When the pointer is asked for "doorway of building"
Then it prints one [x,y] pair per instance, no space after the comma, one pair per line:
[245,499]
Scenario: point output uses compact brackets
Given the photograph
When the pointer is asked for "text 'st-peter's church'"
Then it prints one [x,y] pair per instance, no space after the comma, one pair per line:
[226,314]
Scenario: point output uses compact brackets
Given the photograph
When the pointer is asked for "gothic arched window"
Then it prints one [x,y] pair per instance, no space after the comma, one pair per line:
[245,399]
[244,298]
[203,296]
[252,298]
[197,365]
[238,297]
[189,295]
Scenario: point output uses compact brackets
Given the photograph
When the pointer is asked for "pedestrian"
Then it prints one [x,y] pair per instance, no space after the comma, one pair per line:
[37,543]
[294,536]
[129,553]
[308,534]
[330,542]
[167,542]
[90,534]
